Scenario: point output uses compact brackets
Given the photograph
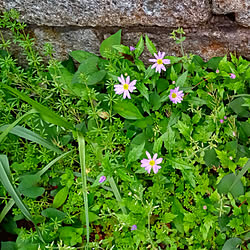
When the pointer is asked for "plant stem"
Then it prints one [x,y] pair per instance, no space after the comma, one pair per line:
[81,143]
[117,194]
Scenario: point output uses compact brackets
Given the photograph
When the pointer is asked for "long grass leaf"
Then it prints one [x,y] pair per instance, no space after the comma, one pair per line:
[42,171]
[9,127]
[6,209]
[81,145]
[6,182]
[31,136]
[47,114]
[117,194]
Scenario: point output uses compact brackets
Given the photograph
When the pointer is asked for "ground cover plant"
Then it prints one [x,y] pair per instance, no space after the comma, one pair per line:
[121,152]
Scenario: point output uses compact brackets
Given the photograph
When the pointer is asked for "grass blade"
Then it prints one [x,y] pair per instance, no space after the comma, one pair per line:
[42,171]
[47,114]
[6,209]
[6,182]
[31,136]
[9,127]
[117,194]
[81,144]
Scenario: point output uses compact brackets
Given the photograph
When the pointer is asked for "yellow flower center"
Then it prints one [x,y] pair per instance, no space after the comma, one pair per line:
[125,86]
[159,61]
[152,163]
[174,95]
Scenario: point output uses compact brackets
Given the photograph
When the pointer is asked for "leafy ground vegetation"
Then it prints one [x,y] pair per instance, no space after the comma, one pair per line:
[119,152]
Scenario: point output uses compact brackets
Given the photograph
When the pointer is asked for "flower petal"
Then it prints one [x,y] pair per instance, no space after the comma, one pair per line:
[128,80]
[148,155]
[154,65]
[158,161]
[153,60]
[156,168]
[155,156]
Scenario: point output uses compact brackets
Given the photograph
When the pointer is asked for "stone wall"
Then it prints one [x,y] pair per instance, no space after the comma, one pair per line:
[213,27]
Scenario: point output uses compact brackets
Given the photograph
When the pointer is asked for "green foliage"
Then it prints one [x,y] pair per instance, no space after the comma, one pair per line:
[198,199]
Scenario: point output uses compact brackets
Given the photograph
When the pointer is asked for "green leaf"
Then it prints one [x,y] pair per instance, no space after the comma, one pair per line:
[122,173]
[232,244]
[89,65]
[150,46]
[53,213]
[6,182]
[60,197]
[143,89]
[6,209]
[213,63]
[42,171]
[47,114]
[7,128]
[96,77]
[169,139]
[8,245]
[143,123]
[149,72]
[122,48]
[82,156]
[168,217]
[236,106]
[127,110]
[27,186]
[211,158]
[135,152]
[107,44]
[80,55]
[139,47]
[226,185]
[155,101]
[31,136]
[182,79]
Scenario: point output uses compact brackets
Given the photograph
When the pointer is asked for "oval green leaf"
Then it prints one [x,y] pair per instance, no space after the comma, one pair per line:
[127,110]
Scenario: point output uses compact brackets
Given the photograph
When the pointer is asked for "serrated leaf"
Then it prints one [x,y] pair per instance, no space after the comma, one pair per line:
[150,46]
[127,110]
[149,72]
[182,79]
[136,152]
[143,90]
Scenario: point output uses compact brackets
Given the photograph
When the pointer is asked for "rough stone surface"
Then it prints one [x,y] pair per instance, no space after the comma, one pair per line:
[243,17]
[64,41]
[213,27]
[228,6]
[111,12]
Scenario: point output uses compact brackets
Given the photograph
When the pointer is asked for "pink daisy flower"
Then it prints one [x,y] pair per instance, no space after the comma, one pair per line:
[176,96]
[125,87]
[159,62]
[150,163]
